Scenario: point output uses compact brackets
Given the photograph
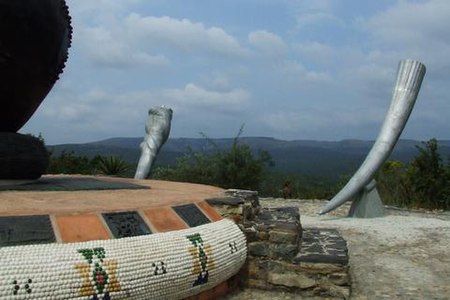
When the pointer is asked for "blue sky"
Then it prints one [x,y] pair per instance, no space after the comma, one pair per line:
[289,69]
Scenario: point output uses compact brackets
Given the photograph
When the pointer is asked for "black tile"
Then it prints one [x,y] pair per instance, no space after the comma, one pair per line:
[72,184]
[126,224]
[25,230]
[191,214]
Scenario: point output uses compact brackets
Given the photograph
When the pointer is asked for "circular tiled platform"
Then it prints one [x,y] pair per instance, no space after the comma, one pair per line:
[132,239]
[154,194]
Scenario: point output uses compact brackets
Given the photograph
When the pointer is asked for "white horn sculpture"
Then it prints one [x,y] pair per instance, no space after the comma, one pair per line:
[409,79]
[157,131]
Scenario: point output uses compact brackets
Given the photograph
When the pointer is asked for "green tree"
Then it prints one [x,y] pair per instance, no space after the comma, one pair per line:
[237,167]
[191,167]
[428,178]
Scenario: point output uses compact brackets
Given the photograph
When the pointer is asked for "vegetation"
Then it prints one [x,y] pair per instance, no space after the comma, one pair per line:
[301,186]
[112,165]
[425,182]
[237,167]
[69,163]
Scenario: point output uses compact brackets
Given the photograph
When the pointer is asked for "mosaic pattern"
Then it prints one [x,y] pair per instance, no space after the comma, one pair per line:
[126,224]
[155,266]
[25,230]
[99,275]
[191,214]
[201,254]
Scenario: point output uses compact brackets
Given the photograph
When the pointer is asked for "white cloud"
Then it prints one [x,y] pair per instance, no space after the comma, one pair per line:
[313,18]
[134,40]
[197,96]
[183,34]
[100,112]
[314,5]
[105,50]
[335,80]
[268,43]
[316,52]
[414,29]
[411,23]
[302,124]
[285,121]
[315,12]
[322,120]
[68,112]
[294,70]
[99,9]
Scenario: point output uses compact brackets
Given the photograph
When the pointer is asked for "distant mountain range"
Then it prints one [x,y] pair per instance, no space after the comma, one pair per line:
[306,157]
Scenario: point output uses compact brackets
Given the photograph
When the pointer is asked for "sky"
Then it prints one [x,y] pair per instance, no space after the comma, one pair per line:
[288,69]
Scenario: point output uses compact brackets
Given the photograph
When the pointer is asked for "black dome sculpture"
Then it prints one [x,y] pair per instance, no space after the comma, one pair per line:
[35,36]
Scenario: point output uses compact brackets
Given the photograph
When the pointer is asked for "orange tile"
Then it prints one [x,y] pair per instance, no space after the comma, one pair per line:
[164,219]
[209,211]
[81,228]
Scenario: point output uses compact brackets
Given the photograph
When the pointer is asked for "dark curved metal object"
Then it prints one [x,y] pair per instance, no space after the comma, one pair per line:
[35,36]
[409,79]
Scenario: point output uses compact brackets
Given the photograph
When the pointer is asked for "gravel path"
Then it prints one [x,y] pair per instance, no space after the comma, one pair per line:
[404,255]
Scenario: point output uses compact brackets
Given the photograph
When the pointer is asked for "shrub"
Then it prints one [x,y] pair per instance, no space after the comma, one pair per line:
[428,178]
[69,163]
[111,165]
[234,168]
[424,182]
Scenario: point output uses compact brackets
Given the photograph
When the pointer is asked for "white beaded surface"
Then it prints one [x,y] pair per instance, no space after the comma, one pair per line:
[155,266]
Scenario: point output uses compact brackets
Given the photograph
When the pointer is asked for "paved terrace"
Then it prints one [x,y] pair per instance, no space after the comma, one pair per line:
[60,198]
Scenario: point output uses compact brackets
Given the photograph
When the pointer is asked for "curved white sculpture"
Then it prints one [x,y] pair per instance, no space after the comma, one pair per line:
[157,131]
[409,79]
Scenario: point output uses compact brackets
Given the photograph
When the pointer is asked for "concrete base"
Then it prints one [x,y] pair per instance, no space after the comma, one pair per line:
[368,203]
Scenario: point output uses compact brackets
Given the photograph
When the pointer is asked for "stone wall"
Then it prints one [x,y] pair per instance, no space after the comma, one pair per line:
[281,254]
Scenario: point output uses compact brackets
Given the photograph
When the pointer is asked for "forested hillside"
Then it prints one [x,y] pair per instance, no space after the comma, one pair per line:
[331,159]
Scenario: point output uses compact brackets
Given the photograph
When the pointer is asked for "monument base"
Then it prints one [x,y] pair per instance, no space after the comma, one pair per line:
[368,203]
[128,242]
[22,157]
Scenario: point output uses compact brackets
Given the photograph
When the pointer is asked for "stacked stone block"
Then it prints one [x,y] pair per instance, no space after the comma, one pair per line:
[284,256]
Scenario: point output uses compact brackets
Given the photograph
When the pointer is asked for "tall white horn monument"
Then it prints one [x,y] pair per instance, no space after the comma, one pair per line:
[362,185]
